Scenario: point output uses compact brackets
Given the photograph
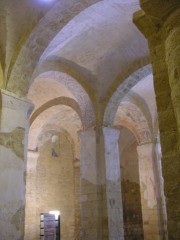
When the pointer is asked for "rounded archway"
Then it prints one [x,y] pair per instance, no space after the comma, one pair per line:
[136,117]
[53,171]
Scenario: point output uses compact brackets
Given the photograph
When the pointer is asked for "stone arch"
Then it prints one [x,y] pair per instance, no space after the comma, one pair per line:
[75,83]
[55,19]
[80,74]
[121,91]
[57,101]
[132,117]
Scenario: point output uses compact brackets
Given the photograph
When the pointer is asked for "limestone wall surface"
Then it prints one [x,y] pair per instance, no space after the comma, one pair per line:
[51,186]
[12,165]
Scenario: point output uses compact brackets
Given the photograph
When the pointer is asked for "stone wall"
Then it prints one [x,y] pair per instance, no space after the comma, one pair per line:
[160,23]
[133,229]
[132,214]
[51,186]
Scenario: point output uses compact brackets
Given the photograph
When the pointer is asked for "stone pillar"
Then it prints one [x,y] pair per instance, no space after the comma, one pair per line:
[31,217]
[113,185]
[151,224]
[90,188]
[166,116]
[13,143]
[160,192]
[171,164]
[160,23]
[101,201]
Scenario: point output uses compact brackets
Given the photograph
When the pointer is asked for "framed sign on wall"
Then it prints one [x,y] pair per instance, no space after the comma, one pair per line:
[49,226]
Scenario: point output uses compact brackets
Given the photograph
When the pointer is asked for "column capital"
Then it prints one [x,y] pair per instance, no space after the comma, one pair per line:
[12,101]
[144,23]
[111,134]
[153,14]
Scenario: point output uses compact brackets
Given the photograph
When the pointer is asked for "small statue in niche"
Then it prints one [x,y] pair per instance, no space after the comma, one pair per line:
[54,153]
[55,146]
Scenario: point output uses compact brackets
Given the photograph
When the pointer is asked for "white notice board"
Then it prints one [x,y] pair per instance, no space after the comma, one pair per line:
[49,227]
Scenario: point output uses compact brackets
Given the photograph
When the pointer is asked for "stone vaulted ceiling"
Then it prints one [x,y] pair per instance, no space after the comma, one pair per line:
[72,53]
[97,38]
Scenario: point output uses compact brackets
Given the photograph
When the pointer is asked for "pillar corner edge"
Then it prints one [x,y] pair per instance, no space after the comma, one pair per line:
[146,25]
[159,9]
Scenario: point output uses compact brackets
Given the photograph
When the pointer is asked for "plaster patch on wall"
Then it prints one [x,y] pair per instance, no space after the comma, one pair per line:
[14,141]
[18,218]
[10,230]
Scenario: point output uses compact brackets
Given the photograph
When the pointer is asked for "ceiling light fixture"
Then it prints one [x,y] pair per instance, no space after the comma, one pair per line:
[47,1]
[55,213]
